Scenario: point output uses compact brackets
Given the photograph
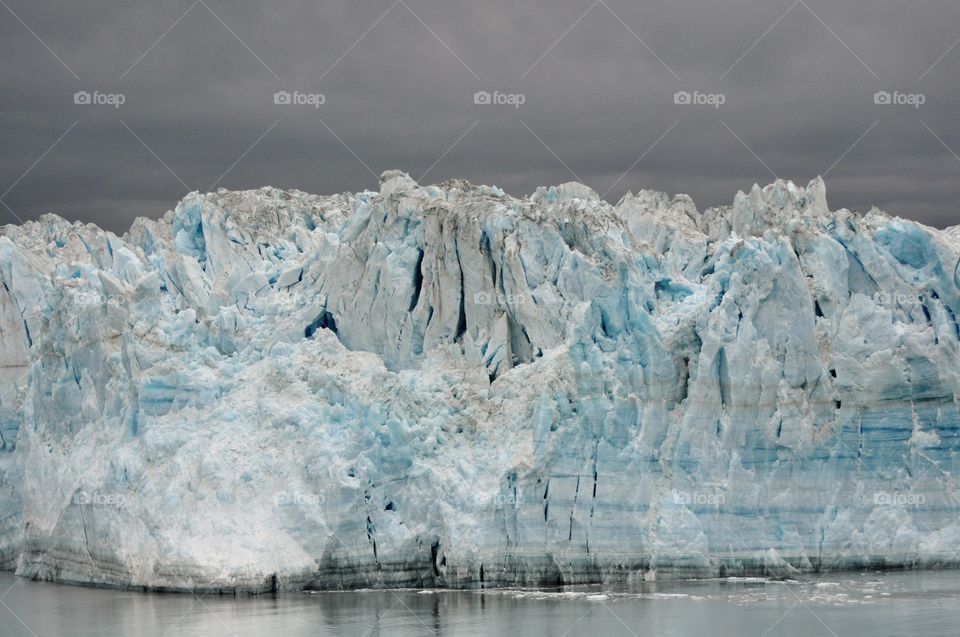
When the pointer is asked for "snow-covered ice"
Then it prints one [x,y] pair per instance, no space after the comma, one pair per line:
[448,386]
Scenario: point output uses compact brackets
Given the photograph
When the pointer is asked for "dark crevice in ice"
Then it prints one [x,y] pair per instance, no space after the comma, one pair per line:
[723,374]
[434,551]
[325,321]
[486,251]
[462,317]
[417,283]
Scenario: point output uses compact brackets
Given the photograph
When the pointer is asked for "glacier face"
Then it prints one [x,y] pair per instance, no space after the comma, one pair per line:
[447,386]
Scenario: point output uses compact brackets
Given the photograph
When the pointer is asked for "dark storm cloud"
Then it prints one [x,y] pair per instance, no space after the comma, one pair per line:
[599,98]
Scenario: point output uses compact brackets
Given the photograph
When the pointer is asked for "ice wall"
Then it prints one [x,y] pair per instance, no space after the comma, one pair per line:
[447,386]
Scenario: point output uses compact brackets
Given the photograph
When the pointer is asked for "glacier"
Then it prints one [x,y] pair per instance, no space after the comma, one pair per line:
[446,386]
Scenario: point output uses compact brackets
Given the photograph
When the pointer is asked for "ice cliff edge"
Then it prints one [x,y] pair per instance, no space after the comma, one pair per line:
[448,386]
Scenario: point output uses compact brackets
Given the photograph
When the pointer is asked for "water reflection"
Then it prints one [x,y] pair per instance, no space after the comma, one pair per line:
[872,604]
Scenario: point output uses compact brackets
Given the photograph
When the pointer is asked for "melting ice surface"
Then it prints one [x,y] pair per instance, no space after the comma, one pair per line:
[445,386]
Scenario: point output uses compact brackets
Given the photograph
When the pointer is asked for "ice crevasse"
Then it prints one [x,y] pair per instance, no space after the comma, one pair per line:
[449,386]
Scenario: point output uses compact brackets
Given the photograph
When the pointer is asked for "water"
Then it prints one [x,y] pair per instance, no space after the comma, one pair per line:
[838,605]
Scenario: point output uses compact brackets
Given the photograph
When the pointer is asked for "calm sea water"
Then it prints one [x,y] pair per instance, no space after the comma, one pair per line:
[846,605]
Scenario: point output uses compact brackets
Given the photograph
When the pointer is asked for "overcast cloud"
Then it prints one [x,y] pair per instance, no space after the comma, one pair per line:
[598,82]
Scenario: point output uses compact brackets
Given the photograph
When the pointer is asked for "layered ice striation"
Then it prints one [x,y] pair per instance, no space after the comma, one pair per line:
[448,386]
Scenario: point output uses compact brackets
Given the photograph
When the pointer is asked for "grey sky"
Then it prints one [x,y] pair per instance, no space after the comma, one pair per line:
[797,101]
